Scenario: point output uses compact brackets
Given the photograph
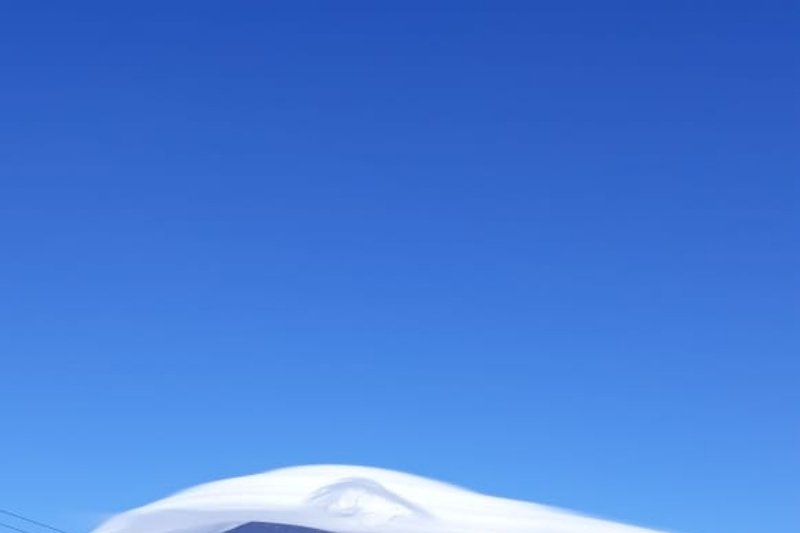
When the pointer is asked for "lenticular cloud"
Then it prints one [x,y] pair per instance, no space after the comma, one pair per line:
[344,499]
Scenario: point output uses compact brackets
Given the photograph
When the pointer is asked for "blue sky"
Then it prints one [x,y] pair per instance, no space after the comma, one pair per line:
[546,250]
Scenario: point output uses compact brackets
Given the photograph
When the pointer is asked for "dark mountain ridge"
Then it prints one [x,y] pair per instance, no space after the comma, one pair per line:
[263,527]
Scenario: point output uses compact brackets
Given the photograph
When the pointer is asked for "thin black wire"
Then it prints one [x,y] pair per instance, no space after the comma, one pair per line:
[30,521]
[7,526]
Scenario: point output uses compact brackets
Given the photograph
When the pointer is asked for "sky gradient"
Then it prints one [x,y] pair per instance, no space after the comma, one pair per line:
[546,250]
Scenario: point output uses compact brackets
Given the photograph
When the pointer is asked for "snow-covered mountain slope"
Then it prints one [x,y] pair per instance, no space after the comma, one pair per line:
[347,499]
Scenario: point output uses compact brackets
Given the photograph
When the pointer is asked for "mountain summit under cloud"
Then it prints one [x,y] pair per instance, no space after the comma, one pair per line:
[347,499]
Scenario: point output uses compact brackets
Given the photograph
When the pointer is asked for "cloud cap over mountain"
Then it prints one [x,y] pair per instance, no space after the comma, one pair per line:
[349,499]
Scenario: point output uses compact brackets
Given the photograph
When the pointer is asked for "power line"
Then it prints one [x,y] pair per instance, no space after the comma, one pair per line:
[7,526]
[30,521]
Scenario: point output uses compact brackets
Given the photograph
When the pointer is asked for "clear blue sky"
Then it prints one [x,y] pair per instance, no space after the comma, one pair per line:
[546,250]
